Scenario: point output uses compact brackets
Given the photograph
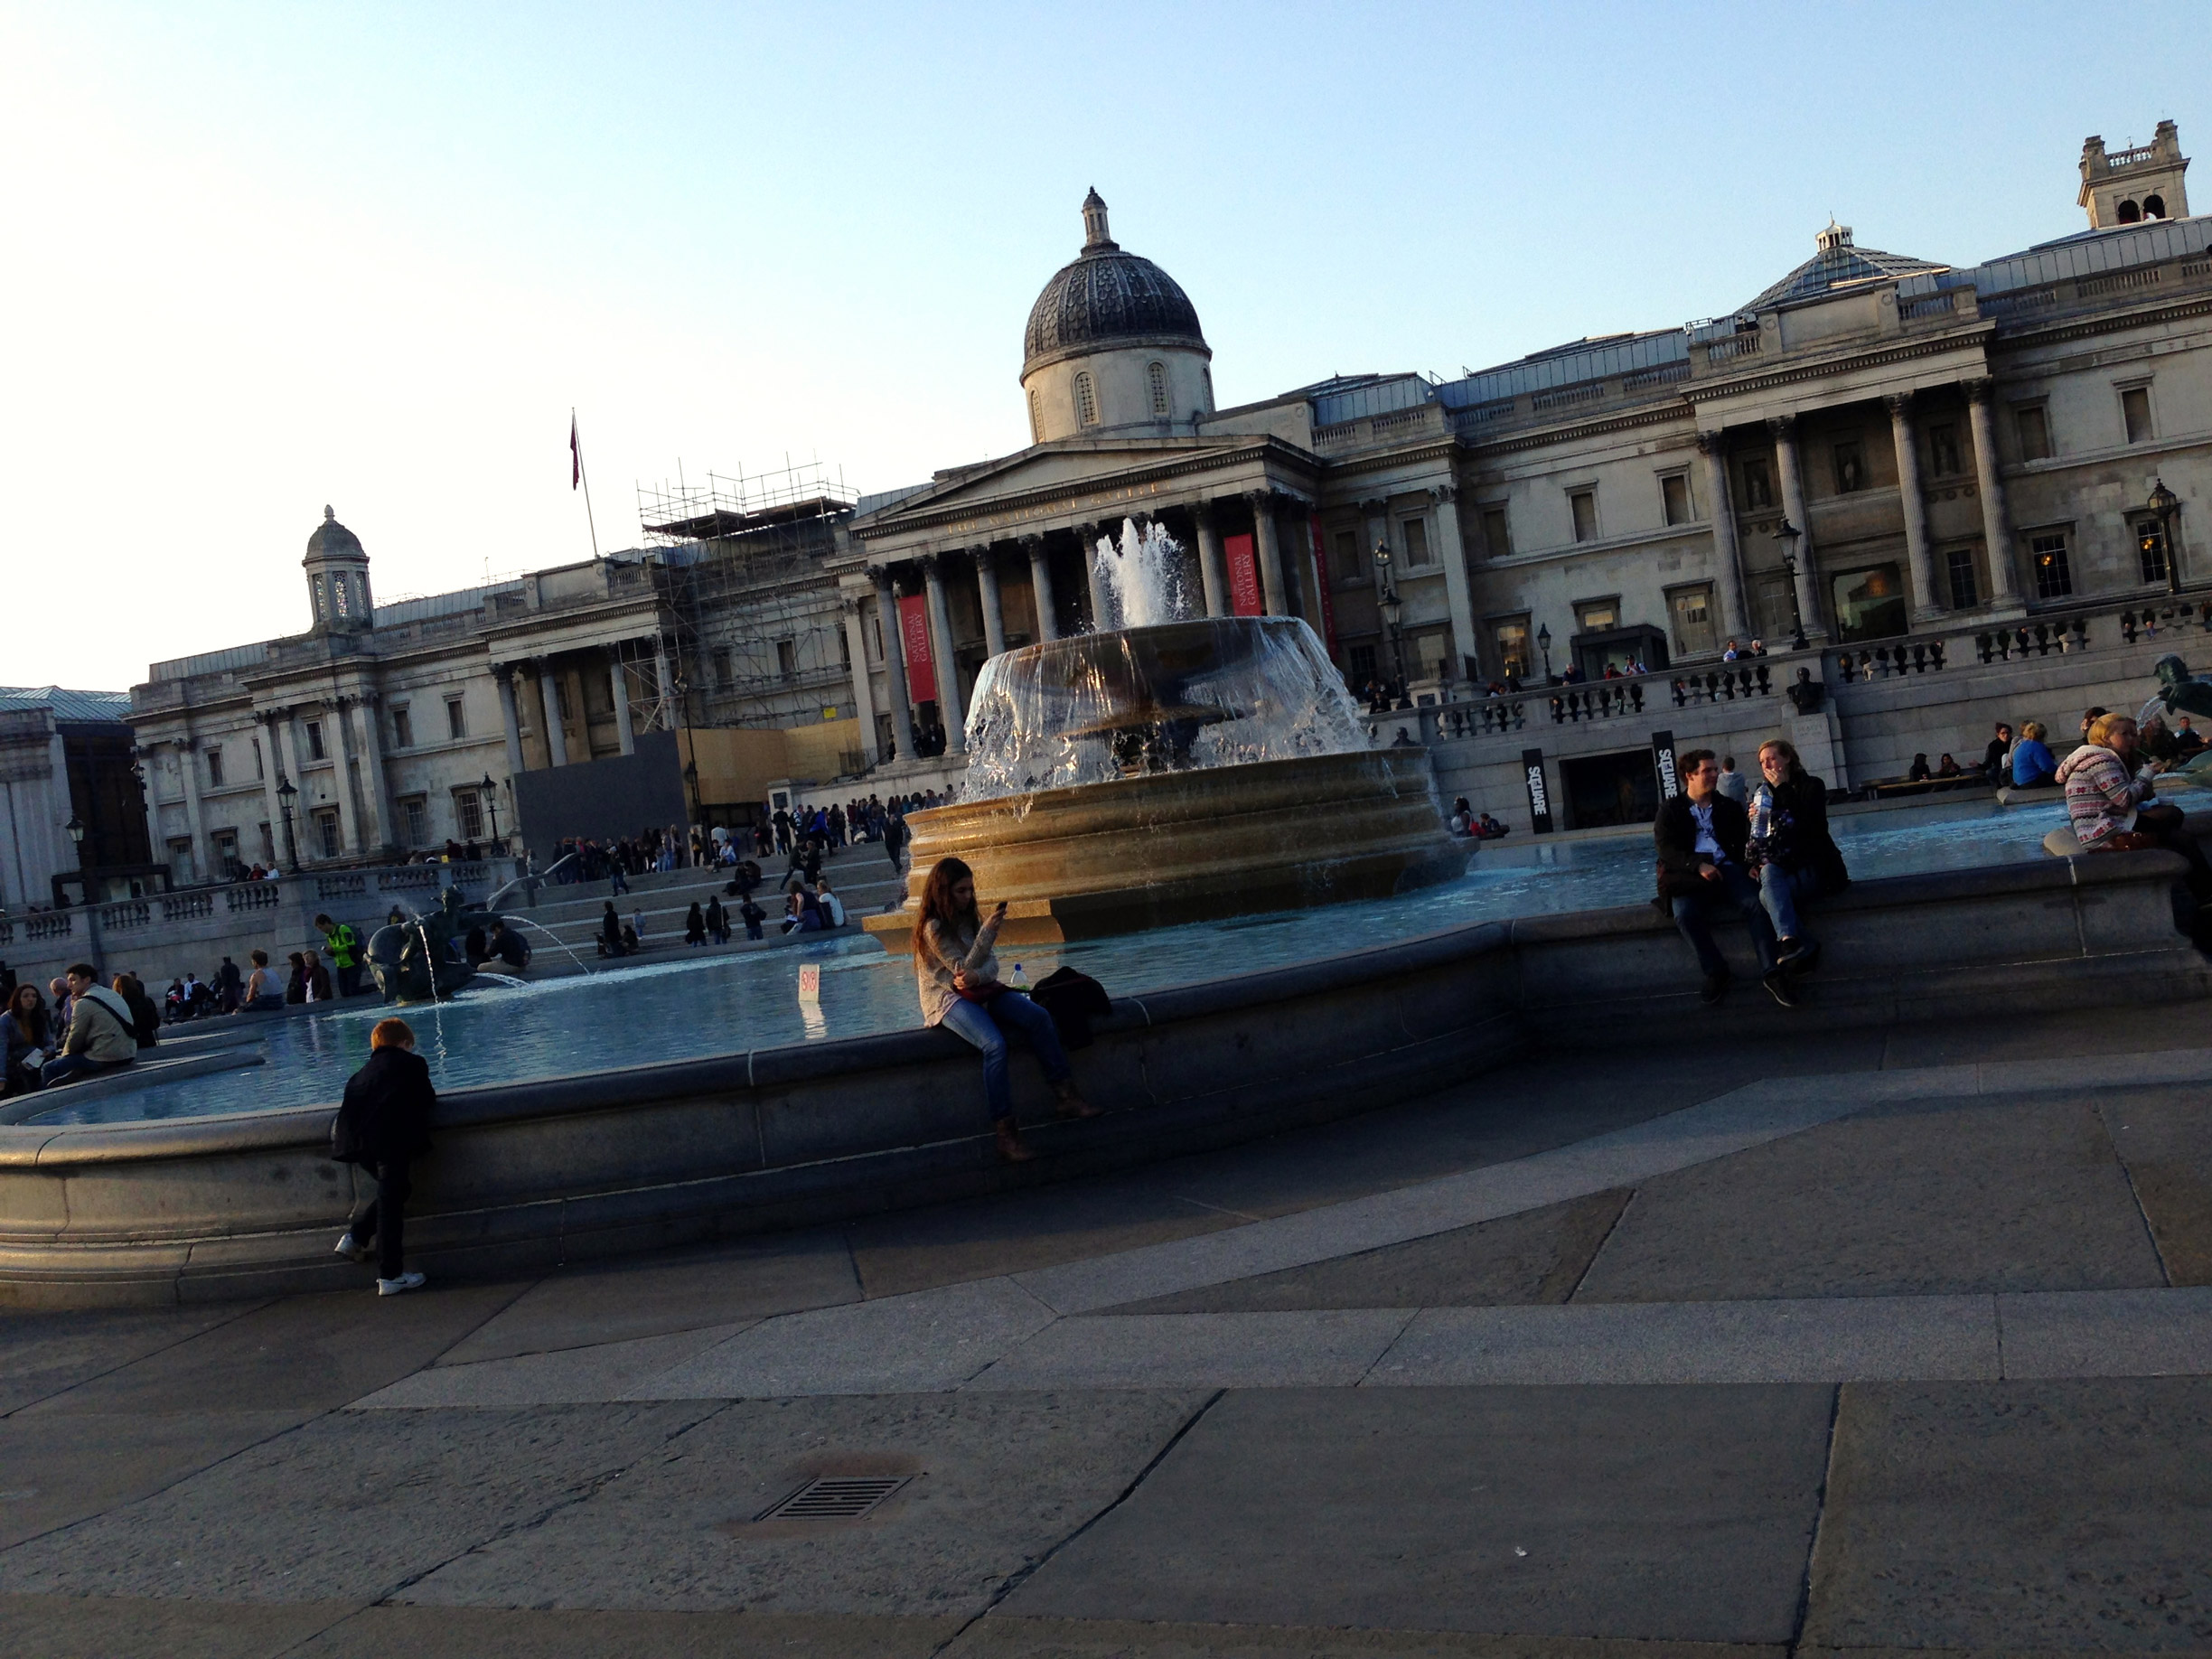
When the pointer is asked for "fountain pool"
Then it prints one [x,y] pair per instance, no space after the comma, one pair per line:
[689,1009]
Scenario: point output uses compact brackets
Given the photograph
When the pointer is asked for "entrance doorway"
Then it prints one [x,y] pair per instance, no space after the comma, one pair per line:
[1610,789]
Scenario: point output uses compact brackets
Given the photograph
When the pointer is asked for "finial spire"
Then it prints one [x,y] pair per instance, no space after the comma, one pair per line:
[330,515]
[1095,238]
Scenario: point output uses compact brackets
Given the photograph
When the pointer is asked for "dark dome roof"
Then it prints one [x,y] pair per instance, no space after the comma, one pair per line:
[331,537]
[1104,298]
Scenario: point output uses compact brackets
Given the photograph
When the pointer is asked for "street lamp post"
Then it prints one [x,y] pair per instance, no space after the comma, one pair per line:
[2165,505]
[491,796]
[286,790]
[1786,534]
[1543,643]
[1393,610]
[92,899]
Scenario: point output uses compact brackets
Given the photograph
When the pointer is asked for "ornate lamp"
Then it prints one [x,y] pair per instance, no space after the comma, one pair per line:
[1787,534]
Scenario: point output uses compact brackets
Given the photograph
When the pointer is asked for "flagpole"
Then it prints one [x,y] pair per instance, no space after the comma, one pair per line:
[586,478]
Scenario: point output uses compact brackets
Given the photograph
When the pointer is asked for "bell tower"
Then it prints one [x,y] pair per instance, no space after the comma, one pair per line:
[337,568]
[2126,187]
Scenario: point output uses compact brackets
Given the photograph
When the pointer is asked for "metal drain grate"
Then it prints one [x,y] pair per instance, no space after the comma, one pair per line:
[835,1497]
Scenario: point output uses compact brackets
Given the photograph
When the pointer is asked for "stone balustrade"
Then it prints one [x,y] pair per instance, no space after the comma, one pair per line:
[2181,622]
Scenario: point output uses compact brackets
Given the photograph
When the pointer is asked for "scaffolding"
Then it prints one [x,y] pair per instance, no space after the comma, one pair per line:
[759,633]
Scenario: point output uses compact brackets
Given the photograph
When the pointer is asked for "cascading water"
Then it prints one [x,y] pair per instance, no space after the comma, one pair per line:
[1145,577]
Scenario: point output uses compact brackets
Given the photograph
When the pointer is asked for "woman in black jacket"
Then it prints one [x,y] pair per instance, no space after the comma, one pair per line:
[1797,858]
[383,1124]
[695,926]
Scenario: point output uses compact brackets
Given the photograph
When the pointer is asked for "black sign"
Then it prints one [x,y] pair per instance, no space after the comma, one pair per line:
[1663,763]
[1540,796]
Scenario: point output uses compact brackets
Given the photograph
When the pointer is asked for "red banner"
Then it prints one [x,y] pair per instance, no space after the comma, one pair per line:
[1321,577]
[1245,598]
[913,639]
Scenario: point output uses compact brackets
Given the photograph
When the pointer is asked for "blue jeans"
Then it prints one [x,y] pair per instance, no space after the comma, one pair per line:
[1781,891]
[63,1067]
[1693,915]
[986,1024]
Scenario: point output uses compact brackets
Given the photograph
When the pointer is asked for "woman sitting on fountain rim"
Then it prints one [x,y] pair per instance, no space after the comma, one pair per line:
[958,977]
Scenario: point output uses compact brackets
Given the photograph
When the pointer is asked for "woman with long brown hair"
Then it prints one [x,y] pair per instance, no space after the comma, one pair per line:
[28,1039]
[958,977]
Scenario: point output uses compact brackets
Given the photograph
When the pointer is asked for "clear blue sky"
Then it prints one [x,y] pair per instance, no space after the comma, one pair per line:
[263,257]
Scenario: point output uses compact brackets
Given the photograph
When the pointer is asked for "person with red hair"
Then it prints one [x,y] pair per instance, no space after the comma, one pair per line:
[382,1126]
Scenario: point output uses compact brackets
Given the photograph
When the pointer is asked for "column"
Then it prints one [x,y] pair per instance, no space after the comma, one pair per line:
[1267,552]
[1213,568]
[987,585]
[557,740]
[618,681]
[272,774]
[1087,538]
[148,755]
[511,719]
[341,768]
[664,687]
[1041,587]
[1456,592]
[288,732]
[1728,556]
[383,830]
[864,702]
[894,663]
[1996,522]
[941,650]
[188,763]
[1785,430]
[1925,605]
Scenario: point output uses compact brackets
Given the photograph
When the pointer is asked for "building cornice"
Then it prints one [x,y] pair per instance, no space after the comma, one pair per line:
[2107,322]
[1843,363]
[1627,420]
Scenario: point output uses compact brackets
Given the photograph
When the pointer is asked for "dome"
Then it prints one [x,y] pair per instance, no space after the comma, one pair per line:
[1107,297]
[333,537]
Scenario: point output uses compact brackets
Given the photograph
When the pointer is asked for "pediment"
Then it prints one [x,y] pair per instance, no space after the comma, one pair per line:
[1074,467]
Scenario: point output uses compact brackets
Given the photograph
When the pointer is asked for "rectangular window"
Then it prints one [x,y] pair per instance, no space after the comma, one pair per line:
[214,765]
[326,828]
[2151,549]
[1583,505]
[2135,413]
[1511,638]
[2054,574]
[468,810]
[314,741]
[456,722]
[1944,451]
[560,698]
[1959,565]
[259,773]
[787,658]
[416,808]
[181,869]
[2033,423]
[1849,467]
[1757,483]
[1497,538]
[1596,615]
[403,730]
[1416,531]
[719,660]
[1675,498]
[844,649]
[1694,633]
[1363,659]
[1344,559]
[875,646]
[226,852]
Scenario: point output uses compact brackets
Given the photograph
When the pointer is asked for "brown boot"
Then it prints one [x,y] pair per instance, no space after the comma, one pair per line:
[1074,1105]
[1010,1147]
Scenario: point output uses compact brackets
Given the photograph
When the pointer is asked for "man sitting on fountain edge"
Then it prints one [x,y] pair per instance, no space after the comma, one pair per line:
[1701,837]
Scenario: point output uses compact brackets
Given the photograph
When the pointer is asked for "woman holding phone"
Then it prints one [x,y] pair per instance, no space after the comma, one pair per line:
[958,977]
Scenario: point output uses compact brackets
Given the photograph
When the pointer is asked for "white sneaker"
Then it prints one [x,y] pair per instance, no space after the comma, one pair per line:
[399,1285]
[350,1250]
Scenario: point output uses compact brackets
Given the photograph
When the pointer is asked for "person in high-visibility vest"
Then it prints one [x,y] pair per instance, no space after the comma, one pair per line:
[345,953]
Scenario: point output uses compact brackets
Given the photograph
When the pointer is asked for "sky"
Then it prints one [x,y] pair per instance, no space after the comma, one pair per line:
[260,259]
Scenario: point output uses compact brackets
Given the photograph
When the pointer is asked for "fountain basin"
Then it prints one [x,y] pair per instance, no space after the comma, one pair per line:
[1154,850]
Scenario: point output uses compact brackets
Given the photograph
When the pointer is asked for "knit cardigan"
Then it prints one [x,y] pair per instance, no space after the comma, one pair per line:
[2101,796]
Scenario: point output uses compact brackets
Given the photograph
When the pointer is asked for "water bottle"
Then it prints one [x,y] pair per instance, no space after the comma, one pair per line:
[1020,981]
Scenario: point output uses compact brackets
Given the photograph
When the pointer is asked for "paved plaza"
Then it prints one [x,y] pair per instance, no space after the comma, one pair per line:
[1896,1340]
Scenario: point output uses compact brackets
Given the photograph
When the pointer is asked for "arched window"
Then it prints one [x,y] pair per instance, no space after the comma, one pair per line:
[2154,206]
[1086,402]
[322,600]
[1157,377]
[1208,373]
[2130,213]
[1037,418]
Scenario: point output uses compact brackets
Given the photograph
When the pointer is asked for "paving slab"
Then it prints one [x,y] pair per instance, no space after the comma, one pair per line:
[2018,1517]
[2109,1334]
[91,1628]
[57,1467]
[1801,1341]
[1319,1348]
[1674,1513]
[1536,1257]
[1904,1199]
[998,1482]
[565,1376]
[930,1340]
[305,1354]
[348,1507]
[518,1633]
[657,1294]
[46,1354]
[1003,1636]
[2165,1138]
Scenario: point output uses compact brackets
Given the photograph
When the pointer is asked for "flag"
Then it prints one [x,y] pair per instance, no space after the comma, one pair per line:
[576,453]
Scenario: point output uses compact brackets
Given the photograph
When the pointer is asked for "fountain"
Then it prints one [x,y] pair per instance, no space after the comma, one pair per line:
[414,961]
[1174,768]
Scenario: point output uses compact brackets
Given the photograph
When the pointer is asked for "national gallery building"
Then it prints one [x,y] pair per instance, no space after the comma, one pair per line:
[1941,478]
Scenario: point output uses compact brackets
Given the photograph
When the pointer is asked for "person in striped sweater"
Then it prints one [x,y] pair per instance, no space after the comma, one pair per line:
[2111,804]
